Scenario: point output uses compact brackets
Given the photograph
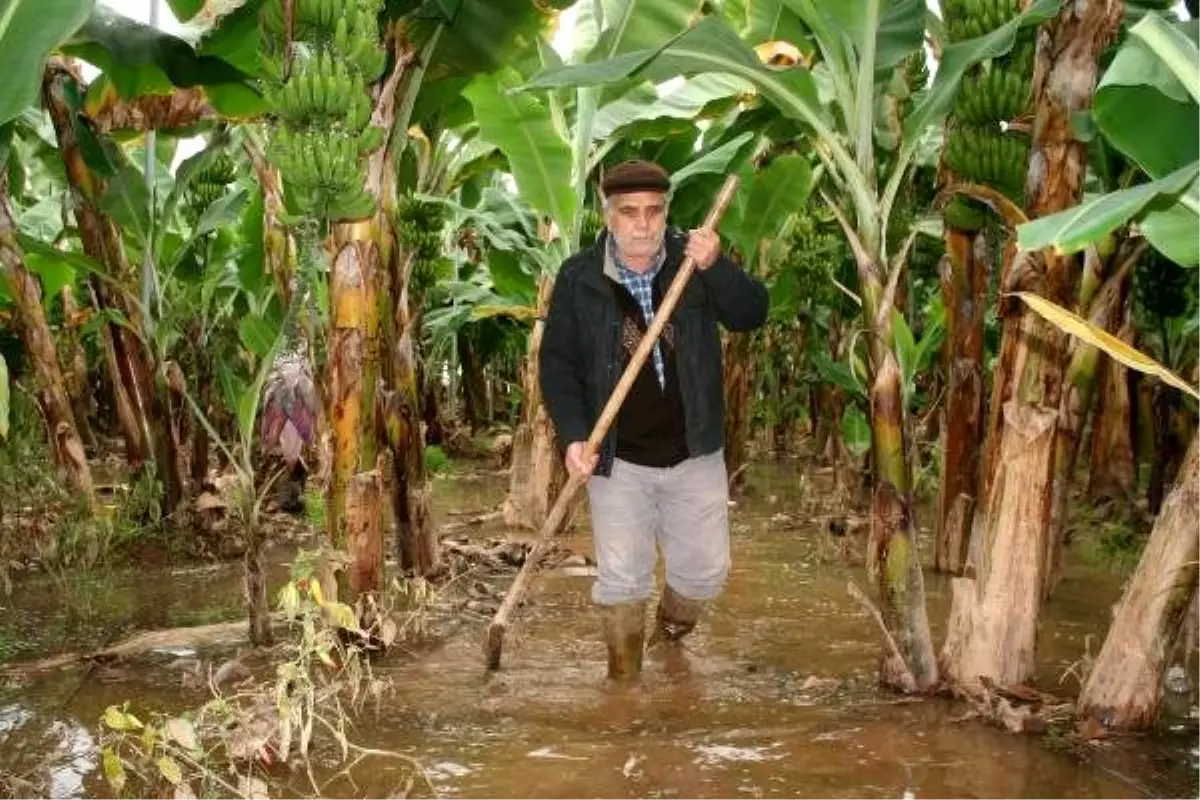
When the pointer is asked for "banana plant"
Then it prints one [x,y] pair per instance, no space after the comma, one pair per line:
[835,102]
[1151,81]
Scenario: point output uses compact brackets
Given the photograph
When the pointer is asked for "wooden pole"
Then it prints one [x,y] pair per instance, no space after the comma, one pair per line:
[494,643]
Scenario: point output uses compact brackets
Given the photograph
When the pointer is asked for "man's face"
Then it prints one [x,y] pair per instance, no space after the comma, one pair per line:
[638,221]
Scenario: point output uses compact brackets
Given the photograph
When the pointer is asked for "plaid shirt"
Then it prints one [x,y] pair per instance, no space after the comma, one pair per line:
[641,286]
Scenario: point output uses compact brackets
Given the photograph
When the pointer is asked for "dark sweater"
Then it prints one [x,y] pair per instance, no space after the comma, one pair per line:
[650,426]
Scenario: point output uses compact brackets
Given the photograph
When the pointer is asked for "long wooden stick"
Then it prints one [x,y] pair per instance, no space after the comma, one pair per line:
[495,638]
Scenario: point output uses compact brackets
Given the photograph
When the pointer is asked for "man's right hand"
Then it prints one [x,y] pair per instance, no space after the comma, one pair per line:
[578,461]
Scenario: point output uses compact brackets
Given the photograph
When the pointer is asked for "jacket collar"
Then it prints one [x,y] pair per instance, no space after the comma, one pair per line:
[600,269]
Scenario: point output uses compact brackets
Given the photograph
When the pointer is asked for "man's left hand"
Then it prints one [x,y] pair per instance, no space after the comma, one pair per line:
[703,247]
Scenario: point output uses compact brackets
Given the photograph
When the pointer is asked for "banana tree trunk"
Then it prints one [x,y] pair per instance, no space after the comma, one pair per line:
[1125,683]
[65,441]
[893,559]
[127,419]
[198,466]
[412,497]
[474,385]
[964,281]
[1113,472]
[76,375]
[738,366]
[1167,446]
[1107,307]
[351,418]
[102,242]
[994,615]
[537,472]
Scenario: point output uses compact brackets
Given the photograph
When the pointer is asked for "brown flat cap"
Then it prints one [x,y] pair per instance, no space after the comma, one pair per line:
[635,176]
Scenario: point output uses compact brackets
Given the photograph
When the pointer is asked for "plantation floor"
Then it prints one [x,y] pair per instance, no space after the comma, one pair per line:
[780,699]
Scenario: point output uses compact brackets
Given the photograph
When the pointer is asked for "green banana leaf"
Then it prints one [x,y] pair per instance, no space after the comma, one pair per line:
[522,128]
[1075,228]
[685,101]
[634,25]
[29,31]
[776,193]
[759,21]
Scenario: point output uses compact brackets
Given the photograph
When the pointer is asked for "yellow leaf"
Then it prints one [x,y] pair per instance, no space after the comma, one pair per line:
[1098,337]
[289,599]
[517,312]
[118,720]
[314,587]
[114,770]
[170,770]
[343,616]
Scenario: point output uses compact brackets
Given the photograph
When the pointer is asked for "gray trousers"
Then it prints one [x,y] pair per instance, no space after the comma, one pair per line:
[684,510]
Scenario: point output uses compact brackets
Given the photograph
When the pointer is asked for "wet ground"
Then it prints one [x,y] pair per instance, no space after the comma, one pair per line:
[779,699]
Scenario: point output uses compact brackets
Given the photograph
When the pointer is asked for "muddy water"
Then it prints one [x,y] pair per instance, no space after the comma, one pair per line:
[777,699]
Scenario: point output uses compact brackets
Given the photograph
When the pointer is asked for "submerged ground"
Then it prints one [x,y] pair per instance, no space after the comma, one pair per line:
[779,701]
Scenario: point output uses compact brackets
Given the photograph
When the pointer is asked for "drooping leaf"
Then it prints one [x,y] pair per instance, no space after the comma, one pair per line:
[1176,46]
[957,58]
[139,59]
[778,192]
[1098,337]
[1138,86]
[521,127]
[715,161]
[29,31]
[682,102]
[1072,230]
[479,37]
[709,46]
[631,25]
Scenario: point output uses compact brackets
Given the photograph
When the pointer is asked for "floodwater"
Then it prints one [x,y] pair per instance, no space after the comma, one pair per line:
[778,698]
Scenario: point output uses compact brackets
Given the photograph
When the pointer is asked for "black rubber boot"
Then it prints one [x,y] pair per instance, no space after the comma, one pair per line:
[675,618]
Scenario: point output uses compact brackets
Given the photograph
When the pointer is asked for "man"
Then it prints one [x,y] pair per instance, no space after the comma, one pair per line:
[659,477]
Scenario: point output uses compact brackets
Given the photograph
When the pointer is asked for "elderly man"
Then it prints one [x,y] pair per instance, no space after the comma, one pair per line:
[659,478]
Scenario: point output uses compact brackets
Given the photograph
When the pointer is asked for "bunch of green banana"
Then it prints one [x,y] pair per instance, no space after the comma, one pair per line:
[970,19]
[990,95]
[315,19]
[998,159]
[323,109]
[322,173]
[997,91]
[320,91]
[208,185]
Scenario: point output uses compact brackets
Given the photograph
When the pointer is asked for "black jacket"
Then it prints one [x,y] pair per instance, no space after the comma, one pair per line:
[581,361]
